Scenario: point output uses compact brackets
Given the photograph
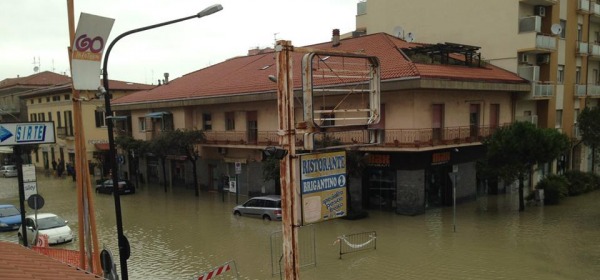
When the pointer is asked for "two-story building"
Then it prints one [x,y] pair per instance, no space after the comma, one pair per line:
[438,101]
[55,104]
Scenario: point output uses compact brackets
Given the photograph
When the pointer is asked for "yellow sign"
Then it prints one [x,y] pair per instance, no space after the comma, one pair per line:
[323,186]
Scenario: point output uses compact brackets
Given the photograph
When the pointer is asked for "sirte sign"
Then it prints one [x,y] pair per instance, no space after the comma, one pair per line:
[27,133]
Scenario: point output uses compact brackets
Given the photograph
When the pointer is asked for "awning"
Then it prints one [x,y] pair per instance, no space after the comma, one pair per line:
[101,146]
[157,115]
[6,150]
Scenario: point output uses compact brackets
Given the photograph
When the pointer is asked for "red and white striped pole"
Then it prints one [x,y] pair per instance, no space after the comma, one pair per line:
[217,271]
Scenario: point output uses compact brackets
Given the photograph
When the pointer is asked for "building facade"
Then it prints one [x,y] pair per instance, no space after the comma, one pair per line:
[555,44]
[434,115]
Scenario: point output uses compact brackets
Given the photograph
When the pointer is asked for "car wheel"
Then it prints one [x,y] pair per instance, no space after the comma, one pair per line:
[266,218]
[237,213]
[20,237]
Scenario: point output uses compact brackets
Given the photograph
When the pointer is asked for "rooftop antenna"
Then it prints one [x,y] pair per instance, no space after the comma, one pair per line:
[398,32]
[410,37]
[36,64]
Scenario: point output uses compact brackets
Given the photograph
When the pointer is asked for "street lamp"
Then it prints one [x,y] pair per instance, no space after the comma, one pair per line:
[124,249]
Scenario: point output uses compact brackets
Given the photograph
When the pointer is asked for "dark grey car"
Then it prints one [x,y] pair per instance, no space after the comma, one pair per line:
[264,207]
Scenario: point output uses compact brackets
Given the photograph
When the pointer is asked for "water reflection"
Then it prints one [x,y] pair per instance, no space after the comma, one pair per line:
[175,235]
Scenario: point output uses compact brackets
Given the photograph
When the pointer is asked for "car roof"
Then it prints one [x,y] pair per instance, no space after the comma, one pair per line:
[41,215]
[7,206]
[268,197]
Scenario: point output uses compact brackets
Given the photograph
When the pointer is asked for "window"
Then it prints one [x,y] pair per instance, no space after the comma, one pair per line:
[99,118]
[67,96]
[31,101]
[58,120]
[56,98]
[494,116]
[563,25]
[41,117]
[49,116]
[39,100]
[561,74]
[595,73]
[579,32]
[327,119]
[559,118]
[69,123]
[32,117]
[47,98]
[206,121]
[142,123]
[578,75]
[229,121]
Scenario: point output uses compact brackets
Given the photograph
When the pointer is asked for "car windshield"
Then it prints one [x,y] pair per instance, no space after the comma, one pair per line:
[51,222]
[10,211]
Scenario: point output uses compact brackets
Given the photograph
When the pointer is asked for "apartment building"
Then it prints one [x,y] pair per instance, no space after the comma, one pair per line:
[437,104]
[555,44]
[55,104]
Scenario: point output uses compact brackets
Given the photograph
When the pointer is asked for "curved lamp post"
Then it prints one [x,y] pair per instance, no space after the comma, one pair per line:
[124,249]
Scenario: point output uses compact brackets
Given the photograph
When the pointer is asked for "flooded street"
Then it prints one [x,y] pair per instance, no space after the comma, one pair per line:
[176,235]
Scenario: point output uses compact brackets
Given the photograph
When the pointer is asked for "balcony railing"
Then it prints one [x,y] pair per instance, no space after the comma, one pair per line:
[582,48]
[595,11]
[402,138]
[593,90]
[530,73]
[541,2]
[583,6]
[580,90]
[542,90]
[545,42]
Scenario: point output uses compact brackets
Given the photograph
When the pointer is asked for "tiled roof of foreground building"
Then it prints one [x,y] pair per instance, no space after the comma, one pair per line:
[18,262]
[249,74]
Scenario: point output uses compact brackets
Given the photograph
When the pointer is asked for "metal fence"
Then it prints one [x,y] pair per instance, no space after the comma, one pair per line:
[306,247]
[357,242]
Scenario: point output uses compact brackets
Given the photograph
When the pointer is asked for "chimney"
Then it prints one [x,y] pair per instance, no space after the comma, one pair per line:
[166,81]
[335,39]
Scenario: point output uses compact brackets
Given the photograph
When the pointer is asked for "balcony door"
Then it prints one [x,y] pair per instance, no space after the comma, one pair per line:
[474,117]
[437,124]
[252,127]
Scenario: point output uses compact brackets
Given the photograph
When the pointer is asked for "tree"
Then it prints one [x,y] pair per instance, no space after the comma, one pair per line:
[512,151]
[184,143]
[588,122]
[160,147]
[136,148]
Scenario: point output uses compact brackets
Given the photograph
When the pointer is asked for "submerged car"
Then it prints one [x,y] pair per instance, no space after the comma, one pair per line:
[52,225]
[125,187]
[265,207]
[8,171]
[10,217]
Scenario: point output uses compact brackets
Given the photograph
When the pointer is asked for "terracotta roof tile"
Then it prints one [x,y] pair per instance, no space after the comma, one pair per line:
[18,262]
[45,78]
[249,74]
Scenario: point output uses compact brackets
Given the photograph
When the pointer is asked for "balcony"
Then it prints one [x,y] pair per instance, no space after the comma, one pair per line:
[583,6]
[542,90]
[593,91]
[61,132]
[530,24]
[580,90]
[594,49]
[545,42]
[540,2]
[583,48]
[530,73]
[595,12]
[401,138]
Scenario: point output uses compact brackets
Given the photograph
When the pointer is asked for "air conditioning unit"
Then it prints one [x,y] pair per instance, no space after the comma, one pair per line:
[540,11]
[543,58]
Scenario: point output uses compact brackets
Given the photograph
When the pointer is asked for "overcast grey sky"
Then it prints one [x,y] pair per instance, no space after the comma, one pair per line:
[37,30]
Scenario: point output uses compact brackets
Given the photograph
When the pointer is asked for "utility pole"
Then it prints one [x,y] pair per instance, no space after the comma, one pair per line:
[289,164]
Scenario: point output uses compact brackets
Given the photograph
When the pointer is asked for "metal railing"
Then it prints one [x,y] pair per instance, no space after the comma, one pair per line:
[357,242]
[403,138]
[306,244]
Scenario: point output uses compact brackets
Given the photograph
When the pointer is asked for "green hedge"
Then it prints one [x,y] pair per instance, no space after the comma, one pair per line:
[572,183]
[555,188]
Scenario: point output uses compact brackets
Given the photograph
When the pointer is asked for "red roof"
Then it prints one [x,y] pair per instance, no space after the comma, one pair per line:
[18,262]
[249,74]
[41,79]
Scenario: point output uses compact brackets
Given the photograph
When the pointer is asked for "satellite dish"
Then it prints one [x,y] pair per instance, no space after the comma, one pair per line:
[556,29]
[398,32]
[36,69]
[410,37]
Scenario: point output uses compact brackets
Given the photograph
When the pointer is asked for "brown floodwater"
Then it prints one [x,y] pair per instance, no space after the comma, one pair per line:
[176,235]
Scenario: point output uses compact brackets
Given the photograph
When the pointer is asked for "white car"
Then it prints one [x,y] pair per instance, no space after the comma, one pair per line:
[53,226]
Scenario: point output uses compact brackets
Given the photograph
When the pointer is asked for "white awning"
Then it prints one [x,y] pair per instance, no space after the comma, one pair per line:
[157,115]
[6,150]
